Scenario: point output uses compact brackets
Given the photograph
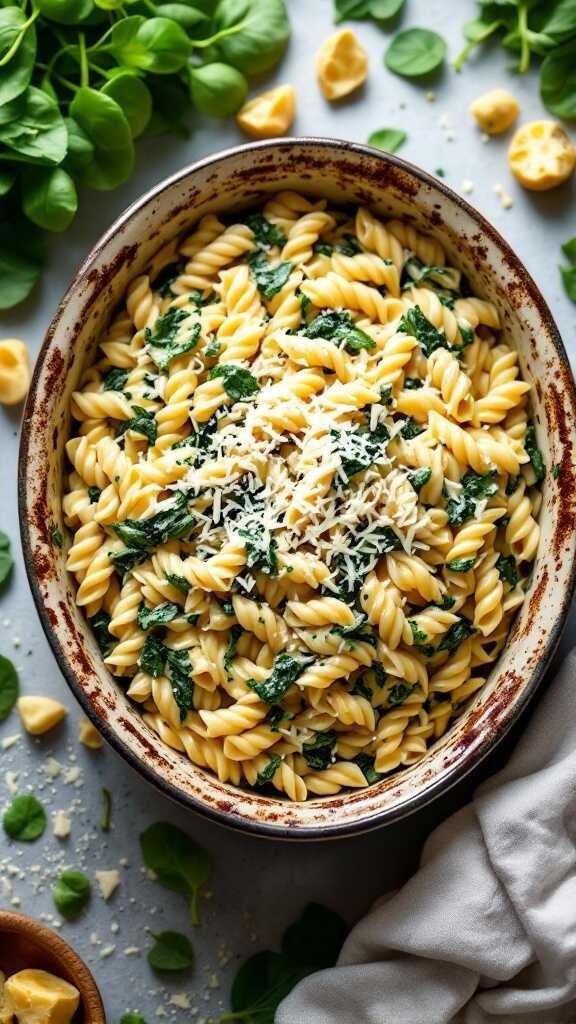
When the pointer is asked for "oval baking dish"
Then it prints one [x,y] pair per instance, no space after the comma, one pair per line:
[344,173]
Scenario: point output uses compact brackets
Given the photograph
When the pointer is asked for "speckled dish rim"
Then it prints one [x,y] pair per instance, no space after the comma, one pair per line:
[514,704]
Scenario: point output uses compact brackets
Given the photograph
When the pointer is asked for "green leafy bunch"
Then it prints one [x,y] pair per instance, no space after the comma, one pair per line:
[80,80]
[545,29]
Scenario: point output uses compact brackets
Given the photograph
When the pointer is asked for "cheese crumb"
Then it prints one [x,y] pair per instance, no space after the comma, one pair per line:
[506,201]
[62,825]
[11,780]
[10,741]
[88,735]
[51,767]
[108,882]
[467,186]
[181,1000]
[106,951]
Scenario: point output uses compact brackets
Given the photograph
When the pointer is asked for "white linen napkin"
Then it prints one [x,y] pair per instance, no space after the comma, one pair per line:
[485,931]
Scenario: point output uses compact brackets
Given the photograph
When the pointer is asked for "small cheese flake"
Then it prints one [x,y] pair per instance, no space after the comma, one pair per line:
[61,826]
[11,780]
[431,97]
[88,735]
[108,882]
[506,201]
[181,1000]
[132,951]
[107,951]
[51,767]
[467,186]
[10,741]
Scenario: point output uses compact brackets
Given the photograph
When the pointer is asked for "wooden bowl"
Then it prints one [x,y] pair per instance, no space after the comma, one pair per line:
[26,943]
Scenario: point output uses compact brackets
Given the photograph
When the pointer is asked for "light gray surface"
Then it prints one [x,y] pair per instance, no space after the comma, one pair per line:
[258,886]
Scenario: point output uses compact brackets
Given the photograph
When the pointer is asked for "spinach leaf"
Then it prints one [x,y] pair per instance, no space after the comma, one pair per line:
[16,30]
[260,985]
[178,863]
[125,559]
[268,773]
[142,422]
[360,631]
[9,687]
[134,99]
[230,652]
[349,245]
[153,657]
[158,45]
[238,383]
[419,478]
[536,457]
[175,521]
[337,326]
[446,603]
[316,938]
[286,670]
[411,429]
[132,1018]
[49,197]
[461,564]
[22,256]
[172,952]
[266,234]
[322,249]
[217,89]
[252,34]
[353,566]
[104,639]
[506,566]
[379,10]
[180,582]
[115,379]
[415,52]
[6,560]
[169,340]
[269,279]
[475,486]
[388,139]
[399,693]
[569,281]
[558,80]
[157,616]
[71,893]
[359,449]
[418,326]
[106,819]
[179,669]
[275,716]
[318,752]
[33,128]
[458,632]
[103,121]
[366,764]
[25,818]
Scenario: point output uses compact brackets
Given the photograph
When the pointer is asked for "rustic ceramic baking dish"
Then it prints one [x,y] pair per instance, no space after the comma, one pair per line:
[345,173]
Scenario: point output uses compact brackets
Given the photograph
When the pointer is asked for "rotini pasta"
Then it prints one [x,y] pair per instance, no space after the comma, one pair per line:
[303,495]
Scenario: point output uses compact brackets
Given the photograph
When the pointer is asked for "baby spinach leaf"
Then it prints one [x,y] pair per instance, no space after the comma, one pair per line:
[6,560]
[269,279]
[379,10]
[104,123]
[359,449]
[168,340]
[16,30]
[180,582]
[22,257]
[419,477]
[354,566]
[158,45]
[175,521]
[475,487]
[142,422]
[569,249]
[569,281]
[71,893]
[253,33]
[132,1018]
[172,952]
[260,985]
[125,559]
[157,616]
[25,818]
[399,693]
[461,565]
[133,97]
[217,90]
[266,234]
[388,139]
[104,639]
[286,670]
[506,566]
[115,379]
[337,326]
[458,632]
[558,81]
[9,687]
[33,127]
[267,773]
[366,764]
[415,52]
[49,197]
[359,632]
[316,938]
[238,383]
[153,657]
[536,457]
[178,863]
[318,752]
[418,326]
[411,429]
[179,669]
[229,654]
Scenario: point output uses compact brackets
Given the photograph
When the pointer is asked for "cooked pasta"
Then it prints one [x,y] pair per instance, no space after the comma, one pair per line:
[303,495]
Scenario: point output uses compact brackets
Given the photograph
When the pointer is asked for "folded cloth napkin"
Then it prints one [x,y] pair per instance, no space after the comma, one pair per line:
[485,931]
